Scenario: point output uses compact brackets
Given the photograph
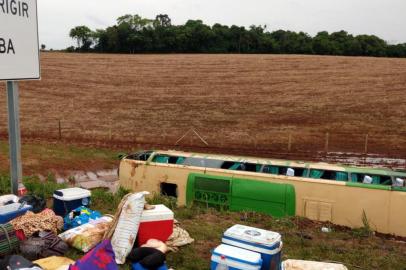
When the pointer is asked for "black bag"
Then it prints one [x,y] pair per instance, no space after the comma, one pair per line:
[15,262]
[43,245]
[38,204]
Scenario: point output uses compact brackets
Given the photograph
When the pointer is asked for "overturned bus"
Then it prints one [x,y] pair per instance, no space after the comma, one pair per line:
[318,191]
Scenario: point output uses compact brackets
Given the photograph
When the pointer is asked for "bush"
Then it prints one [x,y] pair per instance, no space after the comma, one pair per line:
[168,201]
[44,189]
[107,202]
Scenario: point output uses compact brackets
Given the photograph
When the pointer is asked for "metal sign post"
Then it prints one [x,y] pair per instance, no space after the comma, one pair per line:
[19,60]
[14,135]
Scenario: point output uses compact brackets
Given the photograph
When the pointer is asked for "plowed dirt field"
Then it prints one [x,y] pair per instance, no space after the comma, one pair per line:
[240,103]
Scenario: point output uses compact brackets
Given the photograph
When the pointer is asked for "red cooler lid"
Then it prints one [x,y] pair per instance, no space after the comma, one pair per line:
[160,212]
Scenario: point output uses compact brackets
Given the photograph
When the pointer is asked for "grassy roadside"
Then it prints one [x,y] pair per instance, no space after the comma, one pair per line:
[47,158]
[303,239]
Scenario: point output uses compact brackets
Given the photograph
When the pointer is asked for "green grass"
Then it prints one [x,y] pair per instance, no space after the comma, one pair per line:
[42,158]
[303,239]
[34,185]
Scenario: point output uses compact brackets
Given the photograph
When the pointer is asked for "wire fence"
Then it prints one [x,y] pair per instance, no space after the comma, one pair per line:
[346,147]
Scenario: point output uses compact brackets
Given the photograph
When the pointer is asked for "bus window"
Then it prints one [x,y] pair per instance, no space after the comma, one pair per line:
[203,162]
[168,159]
[334,175]
[385,180]
[328,175]
[249,167]
[175,160]
[283,170]
[316,174]
[144,156]
[231,165]
[371,179]
[399,182]
[341,176]
[160,159]
[270,169]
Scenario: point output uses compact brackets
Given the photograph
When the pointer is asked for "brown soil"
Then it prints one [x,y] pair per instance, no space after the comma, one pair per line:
[247,104]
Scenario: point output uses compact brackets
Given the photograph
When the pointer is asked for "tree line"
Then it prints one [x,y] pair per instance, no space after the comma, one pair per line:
[134,34]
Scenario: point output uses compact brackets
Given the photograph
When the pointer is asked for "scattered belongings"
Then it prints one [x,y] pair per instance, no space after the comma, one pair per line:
[156,223]
[38,204]
[66,200]
[16,262]
[226,257]
[9,240]
[310,265]
[88,235]
[31,223]
[79,216]
[267,243]
[151,255]
[54,263]
[124,230]
[101,257]
[13,210]
[179,238]
[42,245]
[106,240]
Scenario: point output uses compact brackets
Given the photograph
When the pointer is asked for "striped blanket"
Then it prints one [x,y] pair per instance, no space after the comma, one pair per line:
[8,239]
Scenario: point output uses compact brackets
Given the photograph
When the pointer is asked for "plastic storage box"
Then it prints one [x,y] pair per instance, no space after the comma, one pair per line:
[66,200]
[311,265]
[11,211]
[267,243]
[156,223]
[234,258]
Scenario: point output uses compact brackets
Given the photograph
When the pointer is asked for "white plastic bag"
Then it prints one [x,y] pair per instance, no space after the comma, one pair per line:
[8,198]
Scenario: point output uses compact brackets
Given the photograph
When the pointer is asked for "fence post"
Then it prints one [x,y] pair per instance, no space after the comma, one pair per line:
[290,142]
[60,129]
[327,142]
[366,144]
[110,133]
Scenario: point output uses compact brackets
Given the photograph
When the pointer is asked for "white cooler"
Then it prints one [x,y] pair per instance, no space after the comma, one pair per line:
[267,243]
[234,258]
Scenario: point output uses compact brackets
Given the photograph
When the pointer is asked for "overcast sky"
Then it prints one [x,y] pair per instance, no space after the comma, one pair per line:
[384,18]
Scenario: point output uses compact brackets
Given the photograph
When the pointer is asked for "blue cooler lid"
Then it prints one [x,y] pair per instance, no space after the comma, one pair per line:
[236,257]
[251,238]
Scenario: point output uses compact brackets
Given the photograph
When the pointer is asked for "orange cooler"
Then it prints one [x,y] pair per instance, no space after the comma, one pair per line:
[156,223]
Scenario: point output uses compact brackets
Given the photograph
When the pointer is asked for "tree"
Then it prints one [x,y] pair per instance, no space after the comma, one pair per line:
[134,34]
[43,46]
[162,20]
[83,35]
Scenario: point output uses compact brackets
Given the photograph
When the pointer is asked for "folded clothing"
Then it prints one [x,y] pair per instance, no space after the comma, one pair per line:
[54,263]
